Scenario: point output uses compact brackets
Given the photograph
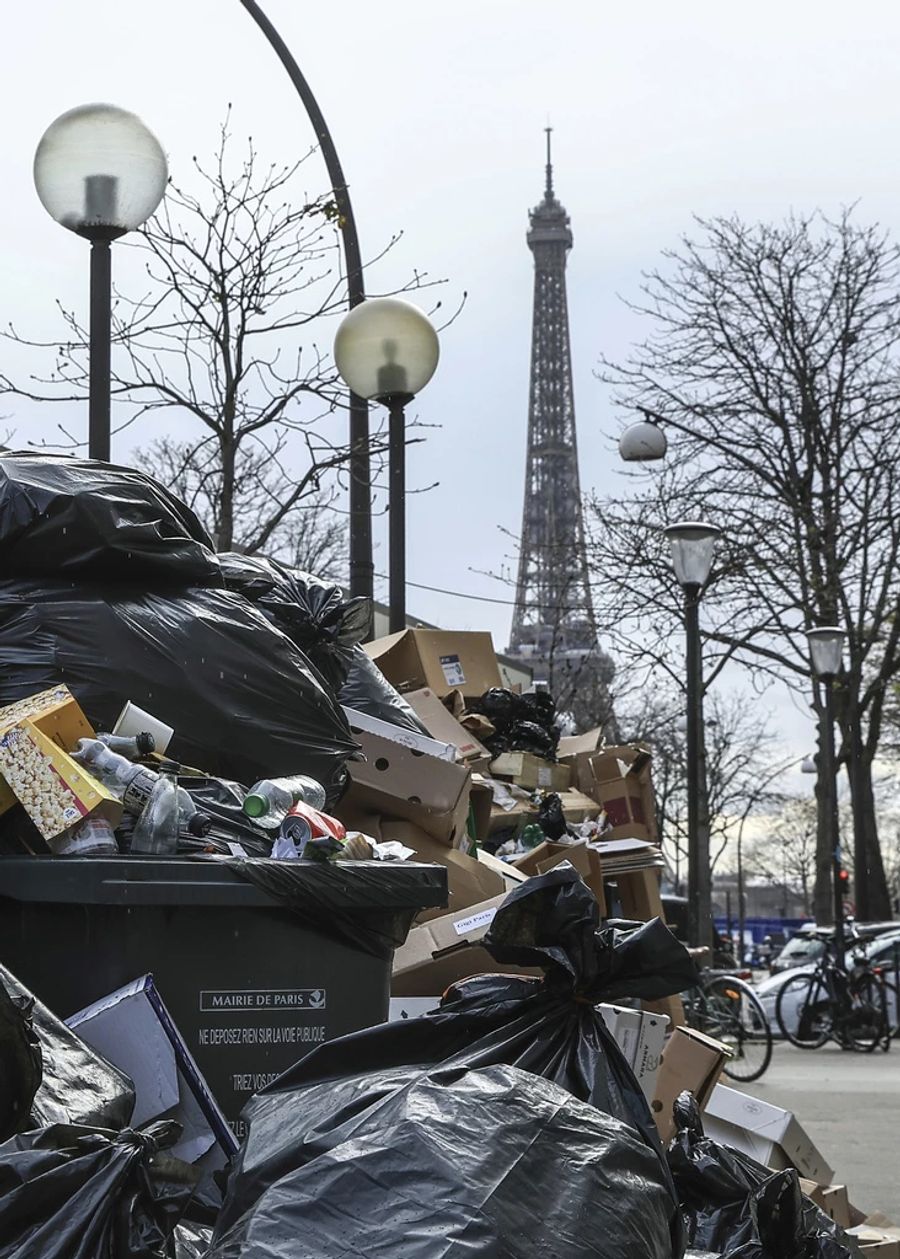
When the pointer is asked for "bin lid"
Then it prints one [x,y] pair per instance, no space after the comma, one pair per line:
[369,885]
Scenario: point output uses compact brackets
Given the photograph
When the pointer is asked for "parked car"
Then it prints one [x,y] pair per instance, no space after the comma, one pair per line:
[883,951]
[808,945]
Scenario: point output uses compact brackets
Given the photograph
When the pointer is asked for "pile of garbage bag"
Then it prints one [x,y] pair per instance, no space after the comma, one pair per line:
[521,723]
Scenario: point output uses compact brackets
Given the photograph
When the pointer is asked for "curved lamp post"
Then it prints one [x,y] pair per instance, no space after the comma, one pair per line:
[387,350]
[826,649]
[100,172]
[362,569]
[693,545]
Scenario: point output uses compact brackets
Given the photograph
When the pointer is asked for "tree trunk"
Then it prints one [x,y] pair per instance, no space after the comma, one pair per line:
[225,538]
[870,889]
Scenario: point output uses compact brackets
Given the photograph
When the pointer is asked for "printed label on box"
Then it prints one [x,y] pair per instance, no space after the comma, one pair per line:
[545,777]
[465,925]
[453,671]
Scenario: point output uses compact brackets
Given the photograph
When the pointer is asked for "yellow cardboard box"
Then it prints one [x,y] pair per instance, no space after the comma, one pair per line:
[54,790]
[57,714]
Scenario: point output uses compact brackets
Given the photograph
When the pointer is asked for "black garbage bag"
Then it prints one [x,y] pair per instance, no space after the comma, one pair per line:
[72,1192]
[734,1208]
[548,1027]
[191,1241]
[522,723]
[242,698]
[367,690]
[551,818]
[462,1163]
[68,517]
[74,1084]
[20,1061]
[314,614]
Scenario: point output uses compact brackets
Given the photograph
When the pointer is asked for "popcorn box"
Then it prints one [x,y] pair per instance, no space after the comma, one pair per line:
[55,791]
[56,713]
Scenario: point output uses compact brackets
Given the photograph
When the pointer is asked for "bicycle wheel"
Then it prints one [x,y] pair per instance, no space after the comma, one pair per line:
[741,1024]
[865,1021]
[803,1010]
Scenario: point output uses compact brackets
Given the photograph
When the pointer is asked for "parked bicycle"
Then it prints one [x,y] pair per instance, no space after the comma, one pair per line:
[725,1007]
[850,1004]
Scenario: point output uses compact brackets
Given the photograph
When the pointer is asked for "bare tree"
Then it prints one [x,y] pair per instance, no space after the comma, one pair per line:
[772,357]
[739,745]
[784,853]
[239,275]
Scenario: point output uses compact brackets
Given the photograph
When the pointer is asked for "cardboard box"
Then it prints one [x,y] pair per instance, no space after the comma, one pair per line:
[531,772]
[442,660]
[768,1133]
[548,855]
[578,807]
[508,872]
[401,782]
[833,1200]
[445,950]
[576,752]
[57,714]
[641,1037]
[690,1061]
[621,784]
[443,726]
[54,790]
[639,895]
[876,1242]
[671,1008]
[134,1031]
[362,722]
[469,881]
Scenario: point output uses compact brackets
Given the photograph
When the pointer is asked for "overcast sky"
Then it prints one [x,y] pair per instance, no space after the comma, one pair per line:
[660,111]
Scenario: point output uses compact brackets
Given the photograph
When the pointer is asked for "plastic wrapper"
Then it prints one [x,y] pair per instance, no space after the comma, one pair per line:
[368,691]
[96,521]
[191,1241]
[734,1208]
[548,1027]
[75,1084]
[242,698]
[346,906]
[316,615]
[72,1192]
[461,1163]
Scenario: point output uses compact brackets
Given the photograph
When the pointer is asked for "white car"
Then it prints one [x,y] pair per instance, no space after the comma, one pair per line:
[883,951]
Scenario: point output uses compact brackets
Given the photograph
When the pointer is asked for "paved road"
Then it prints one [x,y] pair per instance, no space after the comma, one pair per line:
[850,1105]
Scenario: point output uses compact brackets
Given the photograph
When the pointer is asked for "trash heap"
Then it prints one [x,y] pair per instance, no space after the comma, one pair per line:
[355,953]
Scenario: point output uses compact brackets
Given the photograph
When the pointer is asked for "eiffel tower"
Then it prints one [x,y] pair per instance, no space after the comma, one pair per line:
[553,622]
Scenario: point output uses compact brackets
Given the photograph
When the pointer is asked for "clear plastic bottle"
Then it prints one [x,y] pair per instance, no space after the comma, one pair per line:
[132,747]
[270,800]
[92,837]
[156,831]
[132,784]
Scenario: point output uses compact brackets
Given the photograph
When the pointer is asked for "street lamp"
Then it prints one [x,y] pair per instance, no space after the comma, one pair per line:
[693,544]
[826,647]
[100,172]
[643,441]
[386,351]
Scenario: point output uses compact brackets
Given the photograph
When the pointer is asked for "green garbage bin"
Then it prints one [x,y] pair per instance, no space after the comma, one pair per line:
[252,984]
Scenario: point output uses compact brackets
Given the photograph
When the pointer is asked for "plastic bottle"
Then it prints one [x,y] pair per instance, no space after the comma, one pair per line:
[132,747]
[269,801]
[156,831]
[132,784]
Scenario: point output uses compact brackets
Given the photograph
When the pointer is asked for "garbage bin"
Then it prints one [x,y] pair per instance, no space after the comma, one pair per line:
[252,985]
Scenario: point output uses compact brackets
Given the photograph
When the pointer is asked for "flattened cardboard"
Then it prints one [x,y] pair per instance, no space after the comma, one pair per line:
[359,722]
[442,660]
[690,1061]
[768,1133]
[531,772]
[400,782]
[133,1030]
[443,726]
